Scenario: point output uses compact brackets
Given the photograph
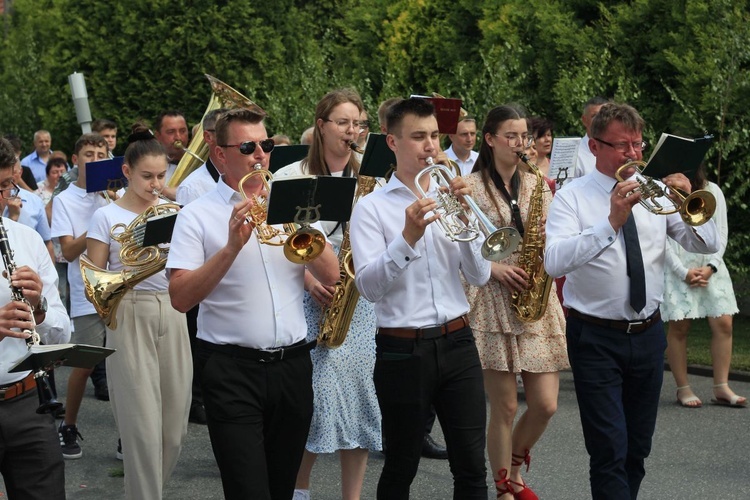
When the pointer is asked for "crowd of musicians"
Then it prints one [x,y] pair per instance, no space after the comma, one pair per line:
[435,330]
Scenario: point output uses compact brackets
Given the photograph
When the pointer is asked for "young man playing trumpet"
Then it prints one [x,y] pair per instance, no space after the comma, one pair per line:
[425,353]
[254,362]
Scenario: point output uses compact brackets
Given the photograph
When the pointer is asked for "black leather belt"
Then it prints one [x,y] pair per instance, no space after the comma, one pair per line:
[261,355]
[431,332]
[626,326]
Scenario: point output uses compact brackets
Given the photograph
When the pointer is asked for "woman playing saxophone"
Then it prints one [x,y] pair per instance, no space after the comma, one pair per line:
[506,344]
[346,416]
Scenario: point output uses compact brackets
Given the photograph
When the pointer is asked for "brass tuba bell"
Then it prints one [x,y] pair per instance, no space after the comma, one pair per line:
[222,96]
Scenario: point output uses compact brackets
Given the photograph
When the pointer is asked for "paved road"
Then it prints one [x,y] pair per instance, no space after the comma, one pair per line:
[702,453]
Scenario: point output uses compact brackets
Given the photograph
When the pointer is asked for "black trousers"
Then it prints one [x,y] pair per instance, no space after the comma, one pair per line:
[192,325]
[258,418]
[618,378]
[412,375]
[30,459]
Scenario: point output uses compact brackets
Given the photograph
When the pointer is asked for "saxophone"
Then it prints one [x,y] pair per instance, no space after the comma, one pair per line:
[529,305]
[336,318]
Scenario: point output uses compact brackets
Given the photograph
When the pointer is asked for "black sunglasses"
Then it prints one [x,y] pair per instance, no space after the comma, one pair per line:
[248,147]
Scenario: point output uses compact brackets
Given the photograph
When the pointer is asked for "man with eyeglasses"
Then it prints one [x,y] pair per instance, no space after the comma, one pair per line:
[28,443]
[254,362]
[612,250]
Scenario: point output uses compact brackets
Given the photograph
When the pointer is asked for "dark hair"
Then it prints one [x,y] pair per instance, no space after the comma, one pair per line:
[594,101]
[613,112]
[699,180]
[540,126]
[241,115]
[209,121]
[89,140]
[7,155]
[103,124]
[55,161]
[141,142]
[14,141]
[417,106]
[163,114]
[485,163]
[315,161]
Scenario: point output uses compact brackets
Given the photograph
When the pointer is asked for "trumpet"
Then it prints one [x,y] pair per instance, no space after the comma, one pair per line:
[695,209]
[300,245]
[498,243]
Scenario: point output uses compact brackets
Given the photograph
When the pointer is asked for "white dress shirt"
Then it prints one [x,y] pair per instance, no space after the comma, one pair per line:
[466,166]
[586,162]
[195,185]
[411,287]
[582,246]
[71,213]
[258,303]
[29,250]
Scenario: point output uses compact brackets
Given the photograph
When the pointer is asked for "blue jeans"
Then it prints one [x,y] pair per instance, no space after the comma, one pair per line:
[618,379]
[412,375]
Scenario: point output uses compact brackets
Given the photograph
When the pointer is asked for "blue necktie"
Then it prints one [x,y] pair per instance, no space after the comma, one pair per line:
[634,260]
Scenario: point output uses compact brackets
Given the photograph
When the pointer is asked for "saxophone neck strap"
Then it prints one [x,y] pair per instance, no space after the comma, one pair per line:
[515,211]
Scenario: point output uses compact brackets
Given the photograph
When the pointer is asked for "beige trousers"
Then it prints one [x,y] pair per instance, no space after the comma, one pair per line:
[149,387]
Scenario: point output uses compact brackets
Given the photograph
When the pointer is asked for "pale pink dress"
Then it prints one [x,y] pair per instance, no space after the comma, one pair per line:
[504,342]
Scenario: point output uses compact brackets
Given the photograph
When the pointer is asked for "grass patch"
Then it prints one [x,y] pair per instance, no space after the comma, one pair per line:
[699,343]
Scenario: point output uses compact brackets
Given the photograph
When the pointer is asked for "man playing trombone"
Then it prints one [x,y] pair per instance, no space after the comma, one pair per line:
[425,351]
[611,249]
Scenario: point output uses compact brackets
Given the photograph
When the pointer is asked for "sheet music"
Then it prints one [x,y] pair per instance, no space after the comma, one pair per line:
[563,160]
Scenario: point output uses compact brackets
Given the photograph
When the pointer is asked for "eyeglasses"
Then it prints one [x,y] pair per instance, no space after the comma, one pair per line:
[624,147]
[10,192]
[344,124]
[515,140]
[209,130]
[248,147]
[364,124]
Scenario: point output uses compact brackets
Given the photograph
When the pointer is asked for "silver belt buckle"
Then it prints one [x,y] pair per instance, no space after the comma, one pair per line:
[632,324]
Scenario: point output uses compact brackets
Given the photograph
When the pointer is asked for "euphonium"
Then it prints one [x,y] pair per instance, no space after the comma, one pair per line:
[337,317]
[498,243]
[47,401]
[300,245]
[222,95]
[530,304]
[105,288]
[695,209]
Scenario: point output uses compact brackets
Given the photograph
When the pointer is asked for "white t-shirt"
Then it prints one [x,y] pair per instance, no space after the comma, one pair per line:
[71,213]
[101,223]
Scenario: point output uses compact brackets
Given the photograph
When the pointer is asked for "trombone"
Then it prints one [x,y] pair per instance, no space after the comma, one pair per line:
[300,245]
[695,209]
[498,243]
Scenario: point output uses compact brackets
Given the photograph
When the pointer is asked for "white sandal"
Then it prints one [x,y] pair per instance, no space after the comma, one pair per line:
[734,401]
[690,401]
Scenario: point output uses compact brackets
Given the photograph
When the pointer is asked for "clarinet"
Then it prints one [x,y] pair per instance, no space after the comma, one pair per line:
[47,401]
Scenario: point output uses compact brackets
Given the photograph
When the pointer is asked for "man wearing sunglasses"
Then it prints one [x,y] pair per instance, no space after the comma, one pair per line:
[253,358]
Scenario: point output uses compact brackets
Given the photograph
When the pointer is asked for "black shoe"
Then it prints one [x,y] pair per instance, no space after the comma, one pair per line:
[430,449]
[69,441]
[101,392]
[197,414]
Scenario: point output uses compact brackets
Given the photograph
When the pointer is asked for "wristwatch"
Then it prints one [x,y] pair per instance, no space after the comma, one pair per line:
[41,306]
[713,268]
